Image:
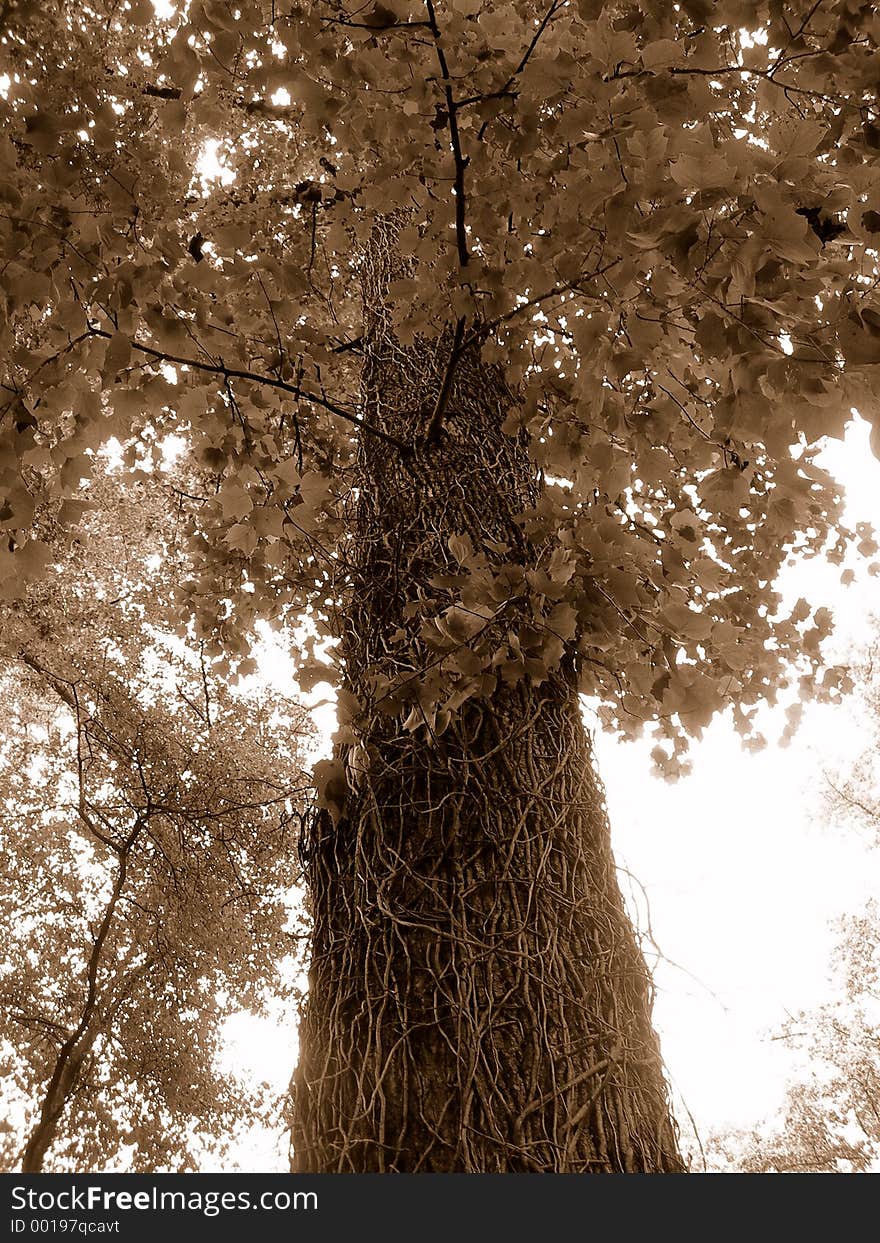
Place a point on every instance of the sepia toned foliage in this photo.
(853, 797)
(830, 1120)
(637, 280)
(148, 854)
(505, 337)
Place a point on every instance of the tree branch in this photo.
(461, 160)
(237, 373)
(485, 327)
(524, 60)
(70, 1056)
(435, 423)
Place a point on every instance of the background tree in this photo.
(830, 1119)
(506, 339)
(829, 1122)
(148, 853)
(853, 797)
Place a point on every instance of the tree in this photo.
(147, 854)
(506, 336)
(829, 1122)
(852, 797)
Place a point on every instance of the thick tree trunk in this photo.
(478, 1001)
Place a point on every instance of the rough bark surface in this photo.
(478, 1001)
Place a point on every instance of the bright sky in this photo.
(742, 870)
(742, 873)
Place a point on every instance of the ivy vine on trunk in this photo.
(477, 1000)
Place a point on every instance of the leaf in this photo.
(34, 558)
(118, 355)
(287, 472)
(331, 787)
(235, 502)
(462, 548)
(348, 706)
(562, 566)
(562, 621)
(242, 537)
(74, 469)
(660, 54)
(683, 620)
(859, 337)
(798, 139)
(311, 673)
(700, 171)
(141, 12)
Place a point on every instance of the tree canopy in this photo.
(147, 859)
(829, 1121)
(660, 220)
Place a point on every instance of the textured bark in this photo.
(478, 1001)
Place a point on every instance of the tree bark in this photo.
(478, 1001)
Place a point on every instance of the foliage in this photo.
(662, 226)
(148, 852)
(854, 796)
(829, 1121)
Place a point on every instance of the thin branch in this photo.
(344, 346)
(461, 160)
(485, 327)
(206, 691)
(524, 60)
(237, 373)
(436, 421)
(73, 1051)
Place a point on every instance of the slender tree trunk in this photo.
(478, 1001)
(55, 1100)
(72, 1055)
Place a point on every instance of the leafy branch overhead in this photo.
(662, 228)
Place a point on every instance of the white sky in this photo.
(741, 871)
(743, 878)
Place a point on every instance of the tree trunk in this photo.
(55, 1101)
(478, 1001)
(73, 1053)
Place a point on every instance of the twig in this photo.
(436, 421)
(461, 160)
(236, 373)
(524, 60)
